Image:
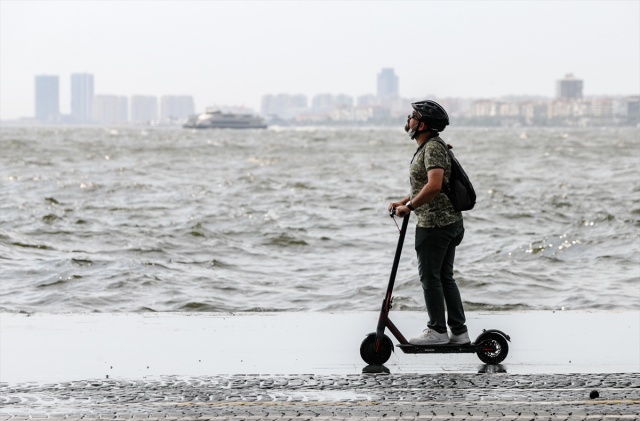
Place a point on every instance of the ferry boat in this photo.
(216, 119)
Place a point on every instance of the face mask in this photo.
(411, 131)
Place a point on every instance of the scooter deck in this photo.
(438, 349)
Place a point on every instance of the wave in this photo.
(295, 220)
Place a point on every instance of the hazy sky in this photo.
(231, 53)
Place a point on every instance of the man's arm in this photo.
(428, 192)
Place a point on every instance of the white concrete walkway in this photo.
(62, 347)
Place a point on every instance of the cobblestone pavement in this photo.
(319, 397)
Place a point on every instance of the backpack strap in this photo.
(445, 184)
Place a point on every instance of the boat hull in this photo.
(220, 120)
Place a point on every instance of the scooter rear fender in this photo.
(485, 333)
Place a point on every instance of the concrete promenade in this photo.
(307, 366)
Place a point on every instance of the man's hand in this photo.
(402, 211)
(395, 205)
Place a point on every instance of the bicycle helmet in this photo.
(432, 114)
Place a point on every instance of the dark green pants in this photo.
(436, 250)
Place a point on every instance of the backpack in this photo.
(459, 189)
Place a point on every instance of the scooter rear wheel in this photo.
(368, 349)
(493, 348)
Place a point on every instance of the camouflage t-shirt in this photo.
(439, 212)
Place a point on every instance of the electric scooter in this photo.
(491, 346)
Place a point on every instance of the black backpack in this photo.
(459, 190)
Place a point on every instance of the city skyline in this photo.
(386, 87)
(569, 107)
(229, 53)
(89, 108)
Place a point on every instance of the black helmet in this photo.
(431, 113)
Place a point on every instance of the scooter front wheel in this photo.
(493, 348)
(368, 349)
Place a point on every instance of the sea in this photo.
(295, 219)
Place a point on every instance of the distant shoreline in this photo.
(335, 125)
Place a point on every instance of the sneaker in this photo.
(461, 339)
(430, 337)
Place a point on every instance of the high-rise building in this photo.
(368, 100)
(569, 88)
(47, 98)
(176, 108)
(284, 106)
(144, 109)
(322, 103)
(343, 100)
(633, 110)
(388, 84)
(82, 97)
(110, 109)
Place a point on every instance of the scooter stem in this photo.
(386, 303)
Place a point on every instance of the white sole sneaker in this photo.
(462, 339)
(430, 337)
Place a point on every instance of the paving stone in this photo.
(357, 397)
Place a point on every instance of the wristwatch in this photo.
(410, 206)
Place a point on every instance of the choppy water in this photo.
(176, 220)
